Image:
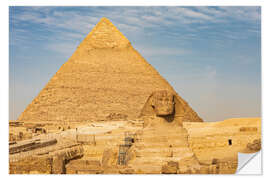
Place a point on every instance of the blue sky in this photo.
(210, 55)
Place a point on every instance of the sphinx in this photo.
(213, 146)
(166, 105)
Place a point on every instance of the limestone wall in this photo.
(31, 165)
(223, 140)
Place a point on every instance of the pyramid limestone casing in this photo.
(104, 75)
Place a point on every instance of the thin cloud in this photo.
(146, 51)
(65, 48)
(204, 45)
(74, 23)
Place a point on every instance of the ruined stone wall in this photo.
(51, 162)
(82, 166)
(223, 140)
(16, 148)
(32, 165)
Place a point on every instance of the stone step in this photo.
(174, 135)
(161, 155)
(163, 151)
(88, 171)
(84, 166)
(147, 169)
(161, 138)
(145, 145)
(148, 159)
(164, 131)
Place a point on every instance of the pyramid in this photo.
(105, 77)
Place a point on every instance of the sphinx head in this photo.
(163, 103)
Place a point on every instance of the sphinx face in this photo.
(163, 103)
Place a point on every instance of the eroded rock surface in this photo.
(108, 111)
(105, 78)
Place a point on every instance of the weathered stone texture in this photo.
(58, 164)
(83, 166)
(30, 145)
(255, 145)
(143, 124)
(222, 141)
(105, 76)
(42, 165)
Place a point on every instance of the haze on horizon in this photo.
(210, 55)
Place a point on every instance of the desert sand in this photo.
(108, 111)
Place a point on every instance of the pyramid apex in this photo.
(104, 76)
(105, 19)
(105, 35)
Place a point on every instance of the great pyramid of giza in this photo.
(104, 78)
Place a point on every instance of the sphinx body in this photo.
(163, 141)
(100, 91)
